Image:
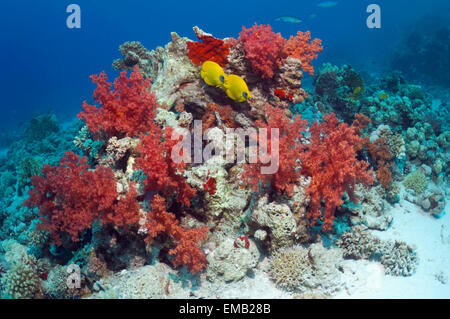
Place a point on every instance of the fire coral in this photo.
(127, 105)
(331, 162)
(209, 49)
(187, 251)
(70, 197)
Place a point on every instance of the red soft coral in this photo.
(301, 48)
(187, 251)
(334, 169)
(290, 143)
(163, 174)
(127, 106)
(262, 49)
(70, 197)
(210, 49)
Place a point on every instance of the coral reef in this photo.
(166, 185)
(398, 258)
(334, 169)
(232, 259)
(314, 269)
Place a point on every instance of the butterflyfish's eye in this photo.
(222, 79)
(245, 95)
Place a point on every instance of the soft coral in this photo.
(262, 48)
(209, 49)
(163, 173)
(70, 197)
(290, 144)
(187, 251)
(331, 162)
(127, 106)
(301, 48)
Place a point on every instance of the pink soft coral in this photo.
(334, 169)
(262, 48)
(301, 48)
(187, 251)
(127, 106)
(70, 197)
(290, 143)
(163, 174)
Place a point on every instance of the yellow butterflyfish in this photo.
(212, 73)
(236, 88)
(383, 96)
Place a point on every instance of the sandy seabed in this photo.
(366, 279)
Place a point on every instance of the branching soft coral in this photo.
(267, 50)
(262, 49)
(290, 143)
(127, 106)
(301, 48)
(334, 169)
(70, 197)
(213, 111)
(209, 49)
(187, 251)
(163, 174)
(379, 153)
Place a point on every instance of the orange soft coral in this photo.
(301, 48)
(290, 143)
(127, 107)
(209, 49)
(163, 174)
(187, 251)
(334, 169)
(380, 154)
(213, 111)
(262, 49)
(70, 197)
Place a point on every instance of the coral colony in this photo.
(205, 160)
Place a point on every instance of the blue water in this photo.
(46, 66)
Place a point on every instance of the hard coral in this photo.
(262, 48)
(332, 164)
(301, 48)
(127, 105)
(187, 252)
(70, 198)
(163, 174)
(209, 49)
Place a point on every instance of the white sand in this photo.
(432, 239)
(366, 279)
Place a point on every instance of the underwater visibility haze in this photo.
(195, 150)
